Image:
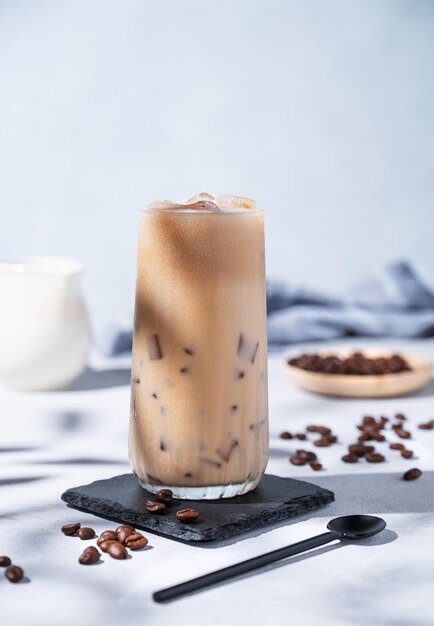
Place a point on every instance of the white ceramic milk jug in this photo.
(44, 328)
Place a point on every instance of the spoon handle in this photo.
(241, 568)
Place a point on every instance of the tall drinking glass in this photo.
(199, 413)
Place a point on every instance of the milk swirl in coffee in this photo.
(199, 421)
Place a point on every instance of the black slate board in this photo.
(122, 500)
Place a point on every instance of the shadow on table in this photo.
(101, 379)
(386, 536)
(7, 482)
(371, 494)
(426, 392)
(82, 461)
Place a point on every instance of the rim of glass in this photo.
(187, 211)
(64, 266)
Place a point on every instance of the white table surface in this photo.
(52, 441)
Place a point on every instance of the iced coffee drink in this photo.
(199, 415)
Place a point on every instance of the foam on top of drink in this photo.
(205, 202)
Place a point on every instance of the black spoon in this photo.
(347, 527)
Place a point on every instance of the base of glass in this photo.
(205, 492)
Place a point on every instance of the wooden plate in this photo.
(378, 386)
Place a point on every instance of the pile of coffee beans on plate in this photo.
(13, 573)
(356, 364)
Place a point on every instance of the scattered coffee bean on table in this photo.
(322, 442)
(5, 561)
(350, 458)
(401, 432)
(400, 416)
(412, 474)
(315, 466)
(313, 429)
(104, 545)
(285, 435)
(297, 460)
(123, 532)
(85, 533)
(306, 455)
(136, 541)
(155, 507)
(89, 556)
(407, 454)
(165, 496)
(14, 573)
(107, 535)
(397, 446)
(300, 436)
(364, 437)
(70, 529)
(375, 457)
(117, 551)
(187, 515)
(125, 527)
(359, 449)
(427, 425)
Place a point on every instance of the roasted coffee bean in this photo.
(322, 442)
(383, 421)
(317, 429)
(412, 474)
(364, 437)
(187, 515)
(85, 533)
(350, 458)
(427, 425)
(123, 532)
(306, 455)
(297, 460)
(300, 436)
(117, 551)
(358, 449)
(165, 496)
(375, 457)
(14, 573)
(104, 545)
(397, 446)
(5, 561)
(368, 419)
(125, 527)
(322, 430)
(400, 416)
(155, 507)
(136, 541)
(107, 535)
(89, 556)
(285, 435)
(402, 434)
(70, 529)
(375, 435)
(407, 454)
(315, 465)
(332, 438)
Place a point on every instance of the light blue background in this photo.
(321, 110)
